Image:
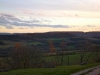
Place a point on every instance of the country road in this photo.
(94, 72)
(90, 71)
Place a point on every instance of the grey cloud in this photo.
(6, 19)
(9, 17)
(26, 11)
(90, 25)
(36, 21)
(21, 28)
(58, 26)
(47, 20)
(53, 26)
(76, 15)
(9, 27)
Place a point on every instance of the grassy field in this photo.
(57, 39)
(60, 70)
(35, 43)
(73, 59)
(11, 44)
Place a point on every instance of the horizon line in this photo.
(45, 32)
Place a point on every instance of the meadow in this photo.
(59, 70)
(74, 59)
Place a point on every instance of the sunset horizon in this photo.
(46, 16)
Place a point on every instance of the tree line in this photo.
(28, 57)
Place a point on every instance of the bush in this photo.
(2, 43)
(24, 57)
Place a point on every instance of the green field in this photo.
(35, 43)
(60, 70)
(57, 39)
(64, 69)
(11, 43)
(74, 59)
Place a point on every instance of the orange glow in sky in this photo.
(24, 16)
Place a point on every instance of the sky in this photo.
(32, 16)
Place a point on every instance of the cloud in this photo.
(46, 20)
(21, 28)
(6, 19)
(90, 25)
(9, 27)
(41, 15)
(76, 15)
(9, 20)
(70, 14)
(54, 26)
(26, 11)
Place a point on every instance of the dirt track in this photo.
(95, 71)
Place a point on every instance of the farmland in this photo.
(48, 50)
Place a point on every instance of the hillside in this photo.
(24, 36)
(41, 40)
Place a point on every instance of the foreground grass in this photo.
(61, 70)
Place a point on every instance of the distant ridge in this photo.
(56, 34)
(32, 36)
(6, 34)
(50, 35)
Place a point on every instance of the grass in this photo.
(35, 43)
(73, 59)
(57, 39)
(11, 44)
(60, 70)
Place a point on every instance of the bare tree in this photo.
(96, 53)
(85, 48)
(64, 48)
(20, 57)
(35, 58)
(24, 57)
(60, 55)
